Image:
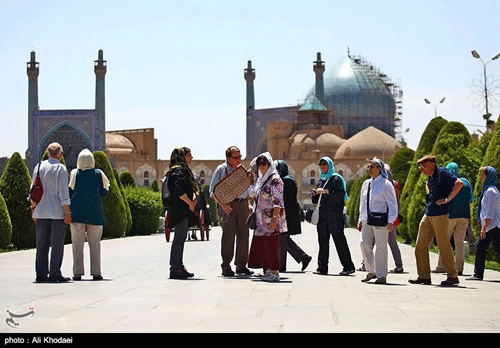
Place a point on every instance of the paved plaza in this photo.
(138, 297)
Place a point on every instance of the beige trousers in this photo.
(92, 233)
(456, 228)
(431, 226)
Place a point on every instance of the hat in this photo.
(428, 158)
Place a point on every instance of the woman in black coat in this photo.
(293, 221)
(333, 193)
(184, 192)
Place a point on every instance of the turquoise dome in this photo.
(358, 97)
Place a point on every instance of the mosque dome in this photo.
(118, 144)
(329, 139)
(358, 96)
(370, 142)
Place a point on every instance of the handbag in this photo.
(252, 221)
(36, 191)
(375, 219)
(315, 213)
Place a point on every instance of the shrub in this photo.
(400, 164)
(15, 184)
(5, 225)
(114, 203)
(451, 145)
(129, 214)
(146, 208)
(353, 201)
(127, 179)
(491, 158)
(425, 146)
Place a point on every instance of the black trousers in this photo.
(288, 245)
(334, 228)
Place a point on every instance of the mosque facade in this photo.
(352, 113)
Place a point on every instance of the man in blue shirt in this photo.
(442, 187)
(458, 219)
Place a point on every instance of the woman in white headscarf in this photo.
(87, 188)
(271, 221)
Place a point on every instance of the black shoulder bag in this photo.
(375, 219)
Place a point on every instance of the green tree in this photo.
(15, 185)
(352, 204)
(491, 158)
(127, 179)
(400, 164)
(425, 146)
(452, 145)
(114, 204)
(5, 225)
(122, 191)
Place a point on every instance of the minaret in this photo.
(250, 77)
(319, 69)
(33, 70)
(100, 73)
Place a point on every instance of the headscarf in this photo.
(490, 181)
(282, 167)
(380, 165)
(331, 172)
(453, 169)
(86, 161)
(270, 171)
(178, 160)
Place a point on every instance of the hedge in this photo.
(146, 208)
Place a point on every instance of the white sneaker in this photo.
(270, 277)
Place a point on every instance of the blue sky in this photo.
(177, 66)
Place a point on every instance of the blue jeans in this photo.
(177, 249)
(50, 233)
(492, 236)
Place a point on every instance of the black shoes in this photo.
(305, 262)
(180, 273)
(244, 271)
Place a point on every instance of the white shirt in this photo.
(382, 196)
(490, 208)
(54, 177)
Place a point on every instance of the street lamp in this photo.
(477, 56)
(435, 107)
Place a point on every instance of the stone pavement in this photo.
(138, 297)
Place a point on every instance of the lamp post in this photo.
(435, 107)
(487, 115)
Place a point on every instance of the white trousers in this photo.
(92, 233)
(375, 263)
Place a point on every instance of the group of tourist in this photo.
(274, 195)
(78, 204)
(272, 199)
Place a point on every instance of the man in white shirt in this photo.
(51, 215)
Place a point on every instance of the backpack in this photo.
(166, 197)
